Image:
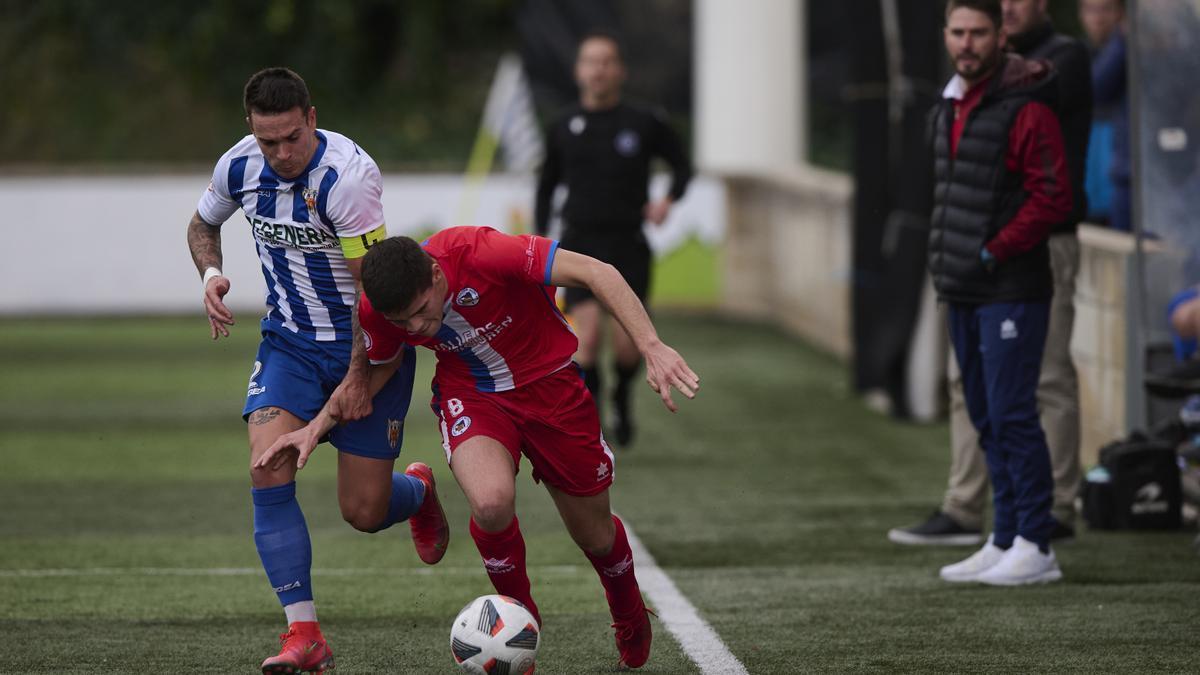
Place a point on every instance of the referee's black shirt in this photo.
(603, 157)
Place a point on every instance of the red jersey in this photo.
(500, 325)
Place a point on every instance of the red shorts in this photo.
(553, 421)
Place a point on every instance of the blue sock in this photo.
(408, 493)
(281, 536)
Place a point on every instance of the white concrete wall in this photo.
(787, 256)
(749, 84)
(117, 244)
(1106, 344)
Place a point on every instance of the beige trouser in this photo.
(1058, 401)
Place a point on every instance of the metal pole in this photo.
(1142, 328)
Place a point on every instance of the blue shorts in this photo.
(298, 375)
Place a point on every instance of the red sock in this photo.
(616, 573)
(309, 628)
(504, 558)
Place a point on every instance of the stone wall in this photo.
(1111, 345)
(787, 253)
(787, 260)
(1098, 344)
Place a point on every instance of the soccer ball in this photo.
(495, 635)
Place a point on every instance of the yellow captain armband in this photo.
(356, 247)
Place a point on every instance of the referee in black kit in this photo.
(601, 149)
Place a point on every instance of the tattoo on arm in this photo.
(204, 241)
(263, 416)
(358, 351)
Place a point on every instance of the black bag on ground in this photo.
(1135, 486)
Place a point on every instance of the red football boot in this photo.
(430, 531)
(633, 640)
(304, 650)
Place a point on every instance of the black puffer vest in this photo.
(975, 194)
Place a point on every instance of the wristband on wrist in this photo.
(209, 274)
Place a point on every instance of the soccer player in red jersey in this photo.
(505, 385)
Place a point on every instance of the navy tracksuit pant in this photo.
(999, 351)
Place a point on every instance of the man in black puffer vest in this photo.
(959, 520)
(1001, 183)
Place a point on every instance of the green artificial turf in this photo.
(688, 276)
(125, 527)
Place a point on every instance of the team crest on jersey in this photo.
(628, 143)
(467, 297)
(310, 200)
(460, 426)
(393, 431)
(577, 124)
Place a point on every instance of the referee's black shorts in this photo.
(624, 248)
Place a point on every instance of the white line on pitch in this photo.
(699, 641)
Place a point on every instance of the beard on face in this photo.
(978, 65)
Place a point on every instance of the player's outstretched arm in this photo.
(204, 241)
(352, 398)
(305, 439)
(668, 146)
(665, 368)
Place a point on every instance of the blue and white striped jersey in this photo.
(305, 228)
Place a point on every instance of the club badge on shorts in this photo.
(460, 426)
(393, 432)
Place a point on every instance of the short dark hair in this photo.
(990, 7)
(394, 271)
(601, 34)
(276, 90)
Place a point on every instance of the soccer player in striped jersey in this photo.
(312, 200)
(505, 385)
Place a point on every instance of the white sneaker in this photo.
(970, 569)
(1022, 564)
